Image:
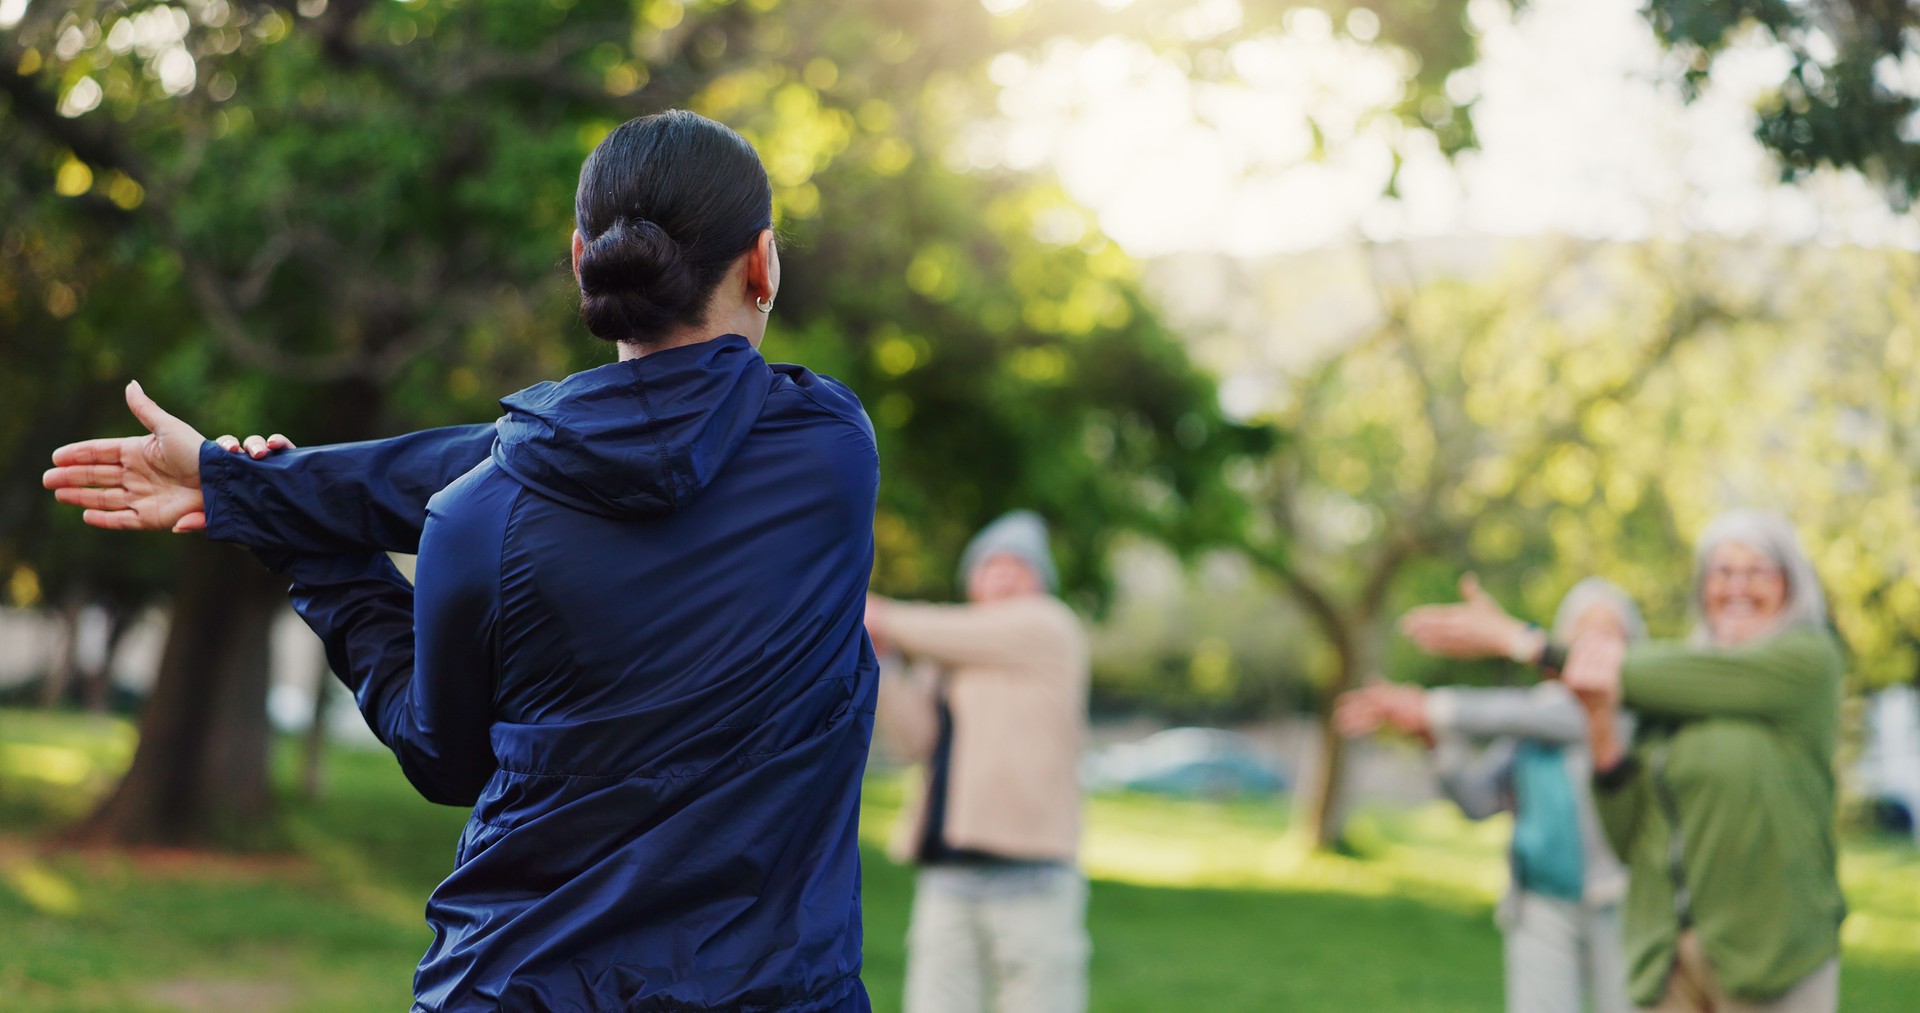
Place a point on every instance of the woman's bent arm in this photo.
(1786, 675)
(420, 659)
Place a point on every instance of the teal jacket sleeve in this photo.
(348, 498)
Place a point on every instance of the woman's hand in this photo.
(1357, 713)
(1593, 669)
(135, 483)
(1363, 711)
(1477, 627)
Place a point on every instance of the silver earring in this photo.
(763, 304)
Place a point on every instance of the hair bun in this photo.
(634, 279)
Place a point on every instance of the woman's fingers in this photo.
(77, 476)
(112, 498)
(147, 410)
(255, 446)
(101, 451)
(195, 521)
(115, 520)
(1355, 717)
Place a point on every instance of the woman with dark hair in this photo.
(1723, 805)
(634, 643)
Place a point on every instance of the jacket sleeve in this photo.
(1787, 674)
(420, 658)
(347, 498)
(906, 709)
(1548, 712)
(1000, 635)
(1477, 780)
(1622, 806)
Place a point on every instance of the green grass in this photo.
(1194, 906)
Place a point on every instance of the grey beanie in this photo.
(1021, 532)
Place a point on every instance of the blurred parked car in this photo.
(1188, 762)
(1889, 769)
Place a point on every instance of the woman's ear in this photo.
(579, 247)
(763, 268)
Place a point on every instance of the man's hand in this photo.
(135, 483)
(1477, 627)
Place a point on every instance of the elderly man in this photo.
(994, 709)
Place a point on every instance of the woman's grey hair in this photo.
(1772, 536)
(1598, 591)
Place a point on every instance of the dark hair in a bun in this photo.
(666, 203)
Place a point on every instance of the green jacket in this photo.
(1740, 744)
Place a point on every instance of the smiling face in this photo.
(1743, 593)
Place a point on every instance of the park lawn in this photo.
(1194, 905)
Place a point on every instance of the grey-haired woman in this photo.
(1723, 805)
(1524, 750)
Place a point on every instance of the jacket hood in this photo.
(639, 438)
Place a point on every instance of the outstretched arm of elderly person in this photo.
(908, 717)
(1474, 778)
(1003, 634)
(1782, 676)
(1475, 627)
(347, 498)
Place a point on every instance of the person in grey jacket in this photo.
(1524, 750)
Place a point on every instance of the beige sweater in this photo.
(1016, 677)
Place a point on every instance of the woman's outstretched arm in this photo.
(348, 498)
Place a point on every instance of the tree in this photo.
(1450, 423)
(346, 219)
(1850, 97)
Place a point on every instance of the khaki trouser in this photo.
(1691, 987)
(989, 939)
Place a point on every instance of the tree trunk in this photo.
(96, 687)
(313, 751)
(66, 657)
(1320, 810)
(199, 775)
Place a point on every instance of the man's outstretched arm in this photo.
(347, 498)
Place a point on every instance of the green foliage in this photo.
(351, 219)
(1575, 410)
(1850, 97)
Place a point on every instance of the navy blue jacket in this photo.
(634, 645)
